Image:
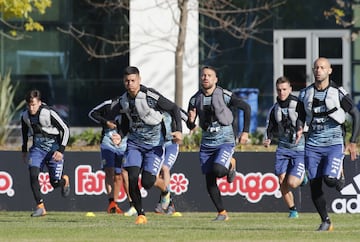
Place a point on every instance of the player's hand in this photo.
(298, 135)
(111, 124)
(192, 115)
(177, 137)
(351, 147)
(244, 138)
(267, 143)
(58, 156)
(116, 138)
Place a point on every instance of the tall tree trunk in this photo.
(180, 51)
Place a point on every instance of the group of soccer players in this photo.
(142, 131)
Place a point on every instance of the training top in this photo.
(325, 128)
(283, 122)
(49, 131)
(105, 111)
(142, 116)
(215, 114)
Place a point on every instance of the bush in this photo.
(87, 138)
(191, 142)
(7, 107)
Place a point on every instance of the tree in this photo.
(237, 18)
(16, 16)
(341, 12)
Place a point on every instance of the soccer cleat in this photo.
(114, 208)
(65, 190)
(293, 214)
(141, 219)
(232, 172)
(304, 181)
(165, 201)
(325, 226)
(159, 209)
(131, 212)
(340, 182)
(222, 216)
(40, 211)
(171, 209)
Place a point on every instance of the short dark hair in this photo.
(131, 70)
(282, 79)
(32, 94)
(209, 67)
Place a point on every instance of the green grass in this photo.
(75, 226)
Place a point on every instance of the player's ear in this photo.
(330, 71)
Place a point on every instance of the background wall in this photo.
(153, 38)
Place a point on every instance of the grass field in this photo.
(76, 226)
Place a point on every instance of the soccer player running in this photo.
(283, 123)
(213, 105)
(141, 121)
(50, 136)
(166, 204)
(112, 153)
(326, 105)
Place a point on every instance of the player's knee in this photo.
(330, 181)
(293, 182)
(219, 170)
(165, 169)
(118, 178)
(147, 180)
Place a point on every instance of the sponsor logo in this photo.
(44, 182)
(252, 185)
(88, 182)
(178, 183)
(352, 205)
(6, 184)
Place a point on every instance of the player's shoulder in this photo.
(341, 89)
(151, 92)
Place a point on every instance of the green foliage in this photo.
(88, 137)
(191, 142)
(256, 138)
(7, 107)
(22, 10)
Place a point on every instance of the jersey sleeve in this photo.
(238, 103)
(57, 122)
(24, 133)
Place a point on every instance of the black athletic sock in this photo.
(214, 191)
(134, 190)
(34, 183)
(317, 196)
